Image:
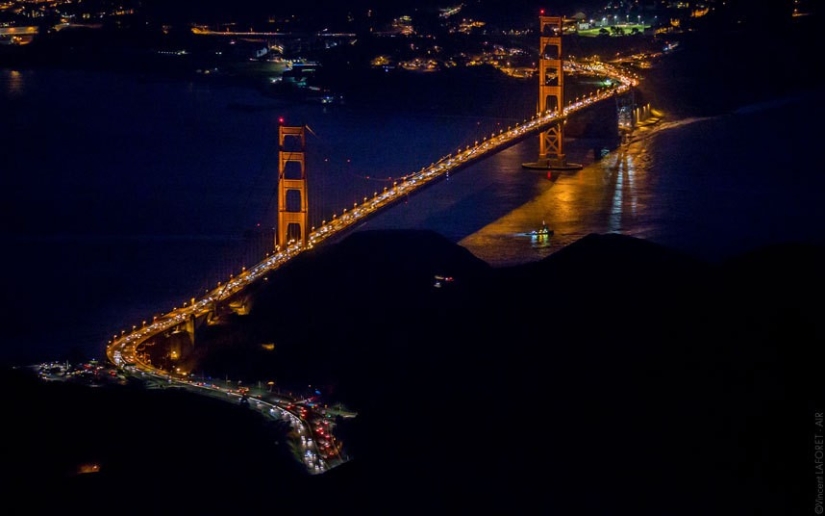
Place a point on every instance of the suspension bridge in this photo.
(294, 234)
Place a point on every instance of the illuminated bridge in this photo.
(293, 235)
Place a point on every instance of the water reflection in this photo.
(11, 83)
(603, 197)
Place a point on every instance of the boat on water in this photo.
(543, 232)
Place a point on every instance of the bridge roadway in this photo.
(19, 31)
(122, 350)
(204, 31)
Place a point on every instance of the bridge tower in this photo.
(551, 96)
(292, 186)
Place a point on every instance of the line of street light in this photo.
(122, 350)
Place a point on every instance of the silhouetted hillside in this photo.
(615, 376)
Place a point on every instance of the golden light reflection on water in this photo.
(14, 83)
(604, 197)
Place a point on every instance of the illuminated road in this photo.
(204, 31)
(19, 31)
(122, 350)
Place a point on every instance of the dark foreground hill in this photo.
(614, 377)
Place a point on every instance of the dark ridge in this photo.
(384, 262)
(408, 250)
(378, 300)
(612, 264)
(621, 251)
(788, 260)
(613, 340)
(514, 390)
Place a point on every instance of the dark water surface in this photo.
(122, 198)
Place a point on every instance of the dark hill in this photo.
(613, 377)
(340, 315)
(615, 366)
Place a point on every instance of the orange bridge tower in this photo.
(551, 96)
(292, 187)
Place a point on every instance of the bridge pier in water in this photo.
(551, 96)
(293, 211)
